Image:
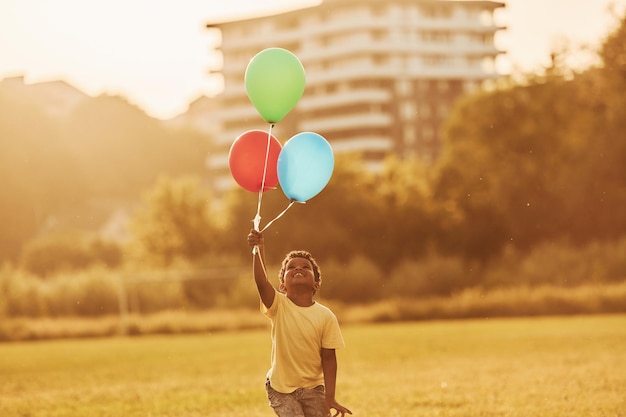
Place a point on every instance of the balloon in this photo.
(305, 165)
(274, 82)
(246, 160)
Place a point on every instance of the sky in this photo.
(157, 53)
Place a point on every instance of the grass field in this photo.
(545, 367)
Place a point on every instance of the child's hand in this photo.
(340, 410)
(255, 238)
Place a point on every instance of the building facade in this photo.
(381, 77)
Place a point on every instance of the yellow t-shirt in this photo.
(298, 335)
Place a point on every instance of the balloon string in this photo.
(257, 217)
(255, 249)
(279, 216)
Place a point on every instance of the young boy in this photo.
(302, 377)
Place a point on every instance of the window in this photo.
(286, 24)
(408, 110)
(380, 60)
(474, 61)
(378, 35)
(481, 38)
(379, 9)
(436, 36)
(436, 12)
(471, 85)
(403, 87)
(488, 65)
(409, 135)
(486, 18)
(432, 60)
(428, 133)
(442, 110)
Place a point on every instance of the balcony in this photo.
(342, 98)
(362, 121)
(362, 144)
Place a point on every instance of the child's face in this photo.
(299, 271)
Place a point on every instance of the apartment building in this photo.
(381, 76)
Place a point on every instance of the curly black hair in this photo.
(300, 254)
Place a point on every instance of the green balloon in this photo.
(274, 82)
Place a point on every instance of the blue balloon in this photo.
(305, 165)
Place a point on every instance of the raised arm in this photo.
(263, 285)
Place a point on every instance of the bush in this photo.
(88, 293)
(561, 264)
(203, 289)
(20, 294)
(516, 301)
(152, 291)
(434, 275)
(67, 252)
(91, 293)
(242, 293)
(100, 291)
(358, 280)
(94, 292)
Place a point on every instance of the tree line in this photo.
(530, 162)
(66, 172)
(525, 164)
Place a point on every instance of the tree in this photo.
(64, 252)
(106, 150)
(607, 87)
(36, 175)
(384, 217)
(332, 225)
(407, 221)
(174, 223)
(538, 161)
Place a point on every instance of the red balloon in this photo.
(246, 160)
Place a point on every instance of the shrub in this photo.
(242, 293)
(358, 280)
(203, 289)
(101, 291)
(95, 292)
(434, 275)
(561, 264)
(88, 293)
(67, 252)
(21, 294)
(152, 291)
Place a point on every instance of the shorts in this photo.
(303, 402)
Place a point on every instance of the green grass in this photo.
(557, 366)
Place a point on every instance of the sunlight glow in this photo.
(157, 53)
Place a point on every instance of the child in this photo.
(305, 334)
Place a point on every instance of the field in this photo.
(554, 366)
